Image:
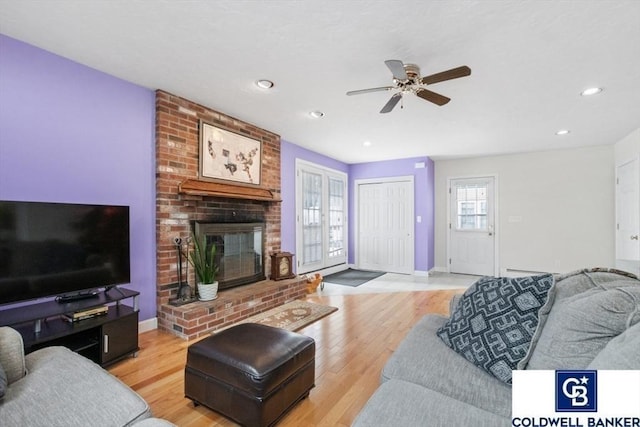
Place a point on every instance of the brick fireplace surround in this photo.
(177, 140)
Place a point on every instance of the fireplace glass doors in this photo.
(239, 251)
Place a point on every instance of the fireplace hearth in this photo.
(239, 251)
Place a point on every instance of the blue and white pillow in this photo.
(494, 321)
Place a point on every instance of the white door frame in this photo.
(630, 264)
(300, 164)
(356, 210)
(496, 227)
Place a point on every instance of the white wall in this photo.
(565, 199)
(625, 150)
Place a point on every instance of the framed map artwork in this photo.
(229, 156)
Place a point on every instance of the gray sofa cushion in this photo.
(400, 403)
(422, 358)
(12, 354)
(590, 309)
(579, 281)
(622, 352)
(492, 326)
(3, 382)
(65, 389)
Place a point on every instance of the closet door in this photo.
(385, 225)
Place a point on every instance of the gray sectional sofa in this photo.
(588, 319)
(57, 387)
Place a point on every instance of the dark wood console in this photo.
(103, 339)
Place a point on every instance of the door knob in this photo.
(634, 237)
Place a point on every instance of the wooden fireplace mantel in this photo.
(196, 187)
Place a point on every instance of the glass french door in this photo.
(321, 212)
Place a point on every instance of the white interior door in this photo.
(385, 226)
(628, 211)
(472, 226)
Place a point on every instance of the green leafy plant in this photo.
(203, 260)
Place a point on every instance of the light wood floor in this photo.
(352, 346)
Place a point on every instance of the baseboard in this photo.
(148, 325)
(421, 273)
(440, 270)
(516, 272)
(329, 270)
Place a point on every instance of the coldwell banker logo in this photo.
(576, 398)
(576, 391)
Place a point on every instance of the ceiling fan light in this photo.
(563, 132)
(591, 91)
(316, 114)
(264, 84)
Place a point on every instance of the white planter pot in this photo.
(207, 291)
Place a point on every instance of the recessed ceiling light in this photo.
(316, 114)
(563, 132)
(367, 143)
(591, 91)
(264, 84)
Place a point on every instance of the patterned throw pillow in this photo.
(494, 321)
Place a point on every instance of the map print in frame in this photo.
(229, 156)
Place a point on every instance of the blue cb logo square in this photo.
(576, 391)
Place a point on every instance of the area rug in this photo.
(352, 277)
(291, 316)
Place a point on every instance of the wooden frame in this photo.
(225, 155)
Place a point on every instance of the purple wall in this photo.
(69, 133)
(429, 217)
(424, 196)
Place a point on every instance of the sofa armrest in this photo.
(12, 354)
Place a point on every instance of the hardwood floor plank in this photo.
(352, 346)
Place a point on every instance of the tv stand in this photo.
(76, 296)
(103, 339)
(108, 288)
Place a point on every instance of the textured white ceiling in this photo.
(530, 60)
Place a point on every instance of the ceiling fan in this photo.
(406, 78)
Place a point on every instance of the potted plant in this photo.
(203, 260)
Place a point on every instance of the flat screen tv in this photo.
(52, 249)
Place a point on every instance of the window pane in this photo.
(471, 202)
(336, 217)
(311, 217)
(322, 210)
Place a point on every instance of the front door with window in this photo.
(471, 226)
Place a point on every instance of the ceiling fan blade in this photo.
(373, 89)
(397, 69)
(453, 73)
(436, 98)
(391, 103)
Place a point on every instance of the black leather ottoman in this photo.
(251, 373)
